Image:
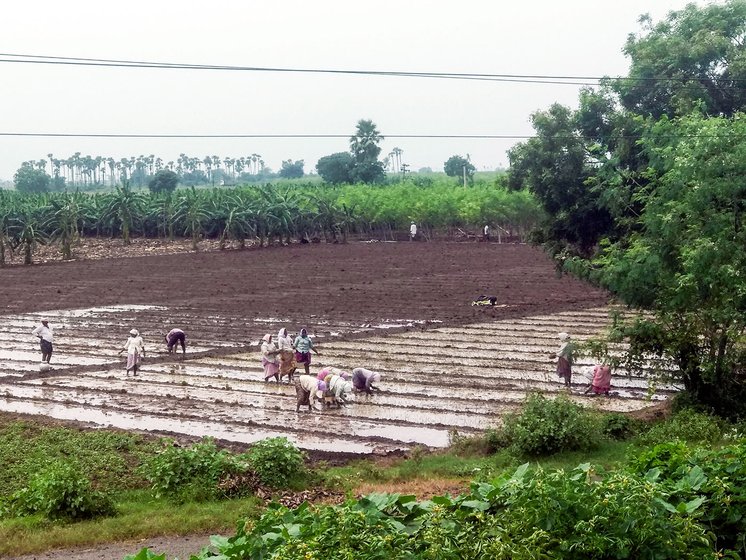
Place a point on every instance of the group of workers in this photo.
(281, 360)
(331, 385)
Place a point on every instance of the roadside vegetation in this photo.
(598, 485)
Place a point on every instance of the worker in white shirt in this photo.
(412, 231)
(486, 232)
(44, 332)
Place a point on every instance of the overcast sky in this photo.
(546, 37)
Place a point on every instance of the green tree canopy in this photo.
(336, 168)
(29, 179)
(556, 166)
(164, 181)
(694, 59)
(456, 165)
(687, 261)
(292, 169)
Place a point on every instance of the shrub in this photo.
(617, 426)
(547, 426)
(191, 473)
(487, 443)
(276, 461)
(686, 425)
(60, 491)
(557, 515)
(667, 457)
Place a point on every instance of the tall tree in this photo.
(687, 261)
(556, 166)
(336, 168)
(365, 151)
(28, 179)
(694, 59)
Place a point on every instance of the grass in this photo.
(139, 517)
(110, 459)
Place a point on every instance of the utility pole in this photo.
(464, 169)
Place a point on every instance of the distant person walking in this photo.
(564, 359)
(287, 355)
(412, 231)
(174, 337)
(135, 347)
(303, 346)
(486, 232)
(46, 337)
(269, 359)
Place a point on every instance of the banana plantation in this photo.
(260, 216)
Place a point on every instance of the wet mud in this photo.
(400, 309)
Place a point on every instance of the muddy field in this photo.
(400, 308)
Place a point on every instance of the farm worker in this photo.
(287, 356)
(363, 379)
(307, 389)
(323, 374)
(601, 382)
(303, 346)
(269, 359)
(486, 232)
(135, 351)
(564, 359)
(339, 388)
(174, 337)
(44, 333)
(412, 231)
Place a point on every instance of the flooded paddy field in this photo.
(400, 309)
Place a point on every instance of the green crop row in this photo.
(259, 215)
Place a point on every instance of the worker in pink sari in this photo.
(601, 382)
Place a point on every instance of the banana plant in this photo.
(65, 221)
(192, 213)
(27, 231)
(123, 208)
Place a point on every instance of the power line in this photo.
(516, 78)
(336, 136)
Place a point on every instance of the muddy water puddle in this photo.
(315, 440)
(189, 405)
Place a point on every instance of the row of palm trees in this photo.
(84, 171)
(256, 215)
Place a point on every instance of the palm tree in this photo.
(364, 145)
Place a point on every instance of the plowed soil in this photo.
(401, 308)
(356, 282)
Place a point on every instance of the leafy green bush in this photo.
(686, 425)
(667, 457)
(191, 473)
(618, 426)
(60, 491)
(547, 426)
(558, 514)
(276, 461)
(712, 478)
